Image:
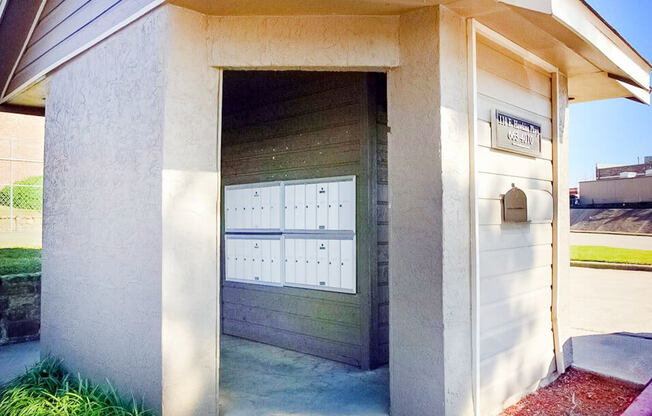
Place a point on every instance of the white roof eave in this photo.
(614, 55)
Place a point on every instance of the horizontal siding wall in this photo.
(516, 346)
(293, 125)
(66, 26)
(382, 218)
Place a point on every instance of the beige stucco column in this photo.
(102, 252)
(130, 257)
(430, 316)
(190, 188)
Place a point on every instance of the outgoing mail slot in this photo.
(527, 205)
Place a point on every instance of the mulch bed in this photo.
(576, 393)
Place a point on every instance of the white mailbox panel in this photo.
(320, 206)
(255, 259)
(295, 233)
(252, 207)
(320, 262)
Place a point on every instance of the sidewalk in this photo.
(15, 358)
(623, 356)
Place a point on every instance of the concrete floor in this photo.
(622, 356)
(15, 358)
(258, 379)
(261, 380)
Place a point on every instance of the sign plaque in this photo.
(515, 134)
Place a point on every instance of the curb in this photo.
(635, 234)
(642, 405)
(613, 266)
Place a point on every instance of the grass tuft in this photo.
(611, 254)
(19, 260)
(47, 390)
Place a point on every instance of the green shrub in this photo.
(47, 390)
(19, 260)
(25, 197)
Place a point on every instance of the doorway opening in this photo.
(304, 261)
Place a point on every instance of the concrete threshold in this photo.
(613, 266)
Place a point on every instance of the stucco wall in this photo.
(190, 186)
(101, 285)
(430, 344)
(319, 42)
(130, 276)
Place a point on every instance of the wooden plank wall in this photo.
(68, 25)
(382, 305)
(300, 125)
(516, 344)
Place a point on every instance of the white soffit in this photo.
(3, 5)
(619, 71)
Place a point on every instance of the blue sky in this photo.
(614, 131)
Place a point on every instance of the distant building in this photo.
(619, 185)
(574, 196)
(614, 171)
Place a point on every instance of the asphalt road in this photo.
(606, 301)
(611, 240)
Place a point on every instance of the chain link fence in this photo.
(21, 191)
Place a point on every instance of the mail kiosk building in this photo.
(367, 181)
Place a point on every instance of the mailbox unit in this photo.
(255, 207)
(296, 233)
(322, 262)
(304, 168)
(320, 205)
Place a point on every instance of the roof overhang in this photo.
(567, 34)
(619, 71)
(17, 21)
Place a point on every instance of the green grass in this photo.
(47, 390)
(25, 197)
(19, 260)
(611, 254)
